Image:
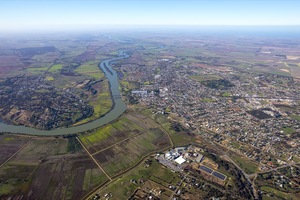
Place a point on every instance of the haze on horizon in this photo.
(17, 15)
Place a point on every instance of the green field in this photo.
(69, 175)
(288, 130)
(37, 70)
(235, 144)
(127, 86)
(50, 78)
(91, 69)
(226, 94)
(296, 117)
(123, 143)
(208, 100)
(247, 165)
(278, 193)
(205, 77)
(101, 102)
(98, 136)
(92, 178)
(110, 134)
(122, 188)
(56, 68)
(178, 138)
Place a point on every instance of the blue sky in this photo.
(34, 14)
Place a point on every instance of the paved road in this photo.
(255, 192)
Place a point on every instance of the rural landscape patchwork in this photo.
(149, 100)
(210, 116)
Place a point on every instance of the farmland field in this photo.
(9, 145)
(110, 134)
(120, 157)
(91, 69)
(69, 174)
(120, 145)
(205, 77)
(122, 188)
(56, 68)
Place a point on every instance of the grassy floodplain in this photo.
(91, 69)
(123, 187)
(101, 102)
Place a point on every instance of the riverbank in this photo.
(118, 108)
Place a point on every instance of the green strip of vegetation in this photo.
(296, 117)
(91, 69)
(247, 165)
(288, 130)
(56, 68)
(276, 192)
(205, 77)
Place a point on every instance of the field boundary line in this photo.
(130, 137)
(115, 177)
(94, 159)
(15, 153)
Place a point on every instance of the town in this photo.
(229, 105)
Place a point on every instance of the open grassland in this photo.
(52, 168)
(122, 187)
(279, 194)
(63, 81)
(296, 117)
(288, 130)
(49, 78)
(245, 163)
(128, 86)
(205, 77)
(56, 68)
(101, 101)
(36, 70)
(91, 69)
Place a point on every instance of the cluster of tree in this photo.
(217, 84)
(176, 126)
(73, 145)
(241, 187)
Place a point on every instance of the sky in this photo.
(39, 14)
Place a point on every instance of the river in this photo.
(118, 108)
